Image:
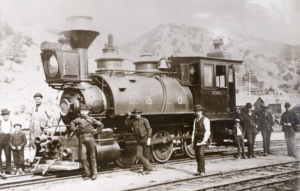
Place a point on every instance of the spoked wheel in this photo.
(187, 147)
(163, 151)
(127, 158)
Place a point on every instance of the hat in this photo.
(4, 111)
(198, 107)
(84, 107)
(264, 105)
(249, 105)
(287, 104)
(237, 120)
(17, 124)
(137, 110)
(38, 95)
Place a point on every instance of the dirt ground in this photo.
(164, 172)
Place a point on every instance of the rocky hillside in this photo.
(274, 64)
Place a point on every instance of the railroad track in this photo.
(257, 178)
(29, 179)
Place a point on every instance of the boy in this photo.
(238, 133)
(17, 143)
(5, 133)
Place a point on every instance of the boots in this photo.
(21, 171)
(2, 175)
(239, 154)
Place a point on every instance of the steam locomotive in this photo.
(165, 89)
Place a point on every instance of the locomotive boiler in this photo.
(165, 89)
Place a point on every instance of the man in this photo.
(201, 133)
(40, 117)
(84, 126)
(142, 133)
(249, 124)
(5, 134)
(289, 121)
(265, 125)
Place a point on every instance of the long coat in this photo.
(265, 124)
(249, 122)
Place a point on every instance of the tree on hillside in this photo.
(14, 50)
(28, 41)
(8, 29)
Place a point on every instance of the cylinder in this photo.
(107, 152)
(67, 152)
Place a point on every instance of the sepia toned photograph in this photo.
(151, 95)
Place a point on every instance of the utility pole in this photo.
(249, 78)
(241, 83)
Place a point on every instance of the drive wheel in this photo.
(187, 147)
(162, 152)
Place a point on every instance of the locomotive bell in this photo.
(163, 64)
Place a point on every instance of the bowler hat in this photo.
(137, 110)
(249, 105)
(198, 107)
(287, 104)
(237, 120)
(84, 107)
(38, 95)
(17, 124)
(4, 111)
(264, 105)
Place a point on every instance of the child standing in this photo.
(238, 133)
(17, 143)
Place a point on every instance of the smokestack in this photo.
(81, 33)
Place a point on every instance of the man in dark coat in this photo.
(265, 125)
(84, 126)
(289, 121)
(249, 124)
(142, 133)
(201, 133)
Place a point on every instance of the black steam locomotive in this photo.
(165, 89)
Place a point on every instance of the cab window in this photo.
(208, 75)
(220, 76)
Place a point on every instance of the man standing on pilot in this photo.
(84, 126)
(201, 133)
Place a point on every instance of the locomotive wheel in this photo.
(126, 159)
(163, 151)
(187, 147)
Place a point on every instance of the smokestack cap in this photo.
(82, 23)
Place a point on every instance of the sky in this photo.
(276, 20)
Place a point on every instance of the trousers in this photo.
(199, 153)
(266, 135)
(289, 135)
(4, 145)
(143, 152)
(18, 158)
(250, 140)
(240, 144)
(88, 148)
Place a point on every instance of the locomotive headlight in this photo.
(52, 66)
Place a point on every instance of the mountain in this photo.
(275, 65)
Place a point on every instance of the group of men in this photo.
(253, 122)
(86, 127)
(12, 139)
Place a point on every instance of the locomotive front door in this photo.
(214, 88)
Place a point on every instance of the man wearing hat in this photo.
(40, 116)
(265, 125)
(238, 133)
(6, 130)
(84, 126)
(249, 123)
(201, 133)
(289, 121)
(142, 133)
